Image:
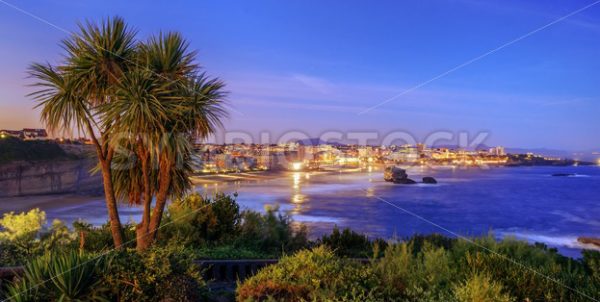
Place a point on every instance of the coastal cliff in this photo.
(22, 178)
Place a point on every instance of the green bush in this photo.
(195, 220)
(26, 235)
(348, 243)
(310, 275)
(271, 232)
(125, 275)
(206, 224)
(158, 274)
(67, 276)
(431, 268)
(98, 239)
(424, 276)
(418, 241)
(480, 288)
(591, 262)
(528, 272)
(230, 251)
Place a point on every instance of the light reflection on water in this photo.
(520, 202)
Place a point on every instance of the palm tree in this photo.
(161, 108)
(142, 104)
(97, 58)
(203, 100)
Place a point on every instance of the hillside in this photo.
(13, 149)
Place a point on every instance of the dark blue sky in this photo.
(314, 65)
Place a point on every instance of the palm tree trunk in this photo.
(143, 237)
(162, 195)
(111, 204)
(105, 159)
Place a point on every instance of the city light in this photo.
(2, 135)
(296, 166)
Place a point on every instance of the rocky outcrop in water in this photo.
(429, 180)
(48, 177)
(399, 176)
(394, 174)
(405, 181)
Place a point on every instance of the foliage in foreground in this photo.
(482, 270)
(311, 275)
(212, 228)
(126, 275)
(216, 228)
(27, 235)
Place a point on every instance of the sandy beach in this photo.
(45, 202)
(58, 201)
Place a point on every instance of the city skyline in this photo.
(321, 70)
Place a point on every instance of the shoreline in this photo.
(58, 200)
(45, 202)
(89, 206)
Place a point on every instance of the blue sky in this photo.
(315, 65)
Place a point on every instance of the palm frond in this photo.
(99, 55)
(62, 108)
(168, 56)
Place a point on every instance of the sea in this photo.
(526, 203)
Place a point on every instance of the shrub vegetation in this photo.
(426, 268)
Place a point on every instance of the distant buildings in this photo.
(213, 158)
(29, 134)
(14, 133)
(26, 134)
(498, 151)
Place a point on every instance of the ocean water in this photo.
(523, 202)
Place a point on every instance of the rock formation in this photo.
(48, 177)
(589, 240)
(399, 176)
(429, 180)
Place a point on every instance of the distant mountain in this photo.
(587, 155)
(541, 151)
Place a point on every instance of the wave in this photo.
(310, 218)
(556, 241)
(569, 175)
(577, 219)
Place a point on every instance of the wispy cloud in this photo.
(313, 93)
